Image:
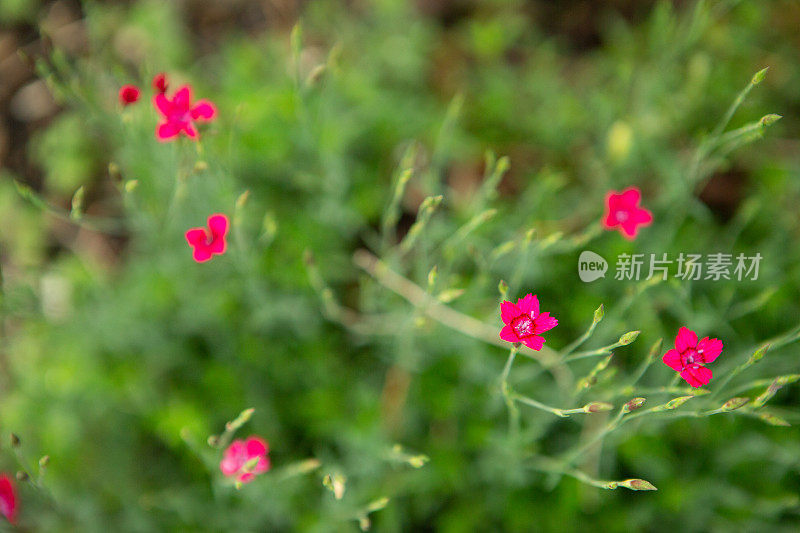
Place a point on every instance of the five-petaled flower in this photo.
(8, 499)
(245, 458)
(623, 211)
(179, 114)
(210, 241)
(524, 323)
(128, 94)
(690, 355)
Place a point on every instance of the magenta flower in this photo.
(179, 114)
(245, 459)
(160, 83)
(210, 241)
(524, 323)
(689, 357)
(623, 211)
(8, 499)
(128, 94)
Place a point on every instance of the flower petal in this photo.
(163, 104)
(629, 228)
(196, 236)
(696, 375)
(508, 334)
(190, 131)
(630, 197)
(709, 349)
(167, 131)
(218, 224)
(534, 342)
(544, 322)
(686, 339)
(183, 99)
(8, 499)
(256, 446)
(201, 253)
(610, 221)
(641, 216)
(204, 110)
(508, 312)
(673, 360)
(529, 305)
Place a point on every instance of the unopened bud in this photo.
(22, 476)
(242, 199)
(213, 441)
(599, 313)
(336, 484)
(638, 484)
(758, 77)
(734, 404)
(131, 185)
(758, 354)
(773, 420)
(433, 275)
(15, 442)
(770, 119)
(597, 407)
(677, 402)
(503, 288)
(633, 405)
(44, 461)
(628, 338)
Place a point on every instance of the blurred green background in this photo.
(120, 356)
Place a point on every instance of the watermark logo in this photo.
(591, 266)
(634, 267)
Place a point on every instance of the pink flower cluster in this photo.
(179, 115)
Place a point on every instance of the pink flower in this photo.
(624, 212)
(179, 114)
(129, 94)
(8, 499)
(689, 357)
(524, 323)
(160, 83)
(240, 459)
(210, 241)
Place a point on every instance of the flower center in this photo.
(621, 216)
(693, 356)
(523, 326)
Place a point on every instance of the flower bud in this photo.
(599, 313)
(44, 461)
(15, 442)
(22, 476)
(734, 404)
(758, 354)
(633, 405)
(503, 288)
(677, 402)
(628, 338)
(758, 77)
(773, 420)
(638, 484)
(768, 120)
(597, 407)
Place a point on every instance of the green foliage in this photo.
(381, 376)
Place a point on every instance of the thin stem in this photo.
(451, 318)
(508, 396)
